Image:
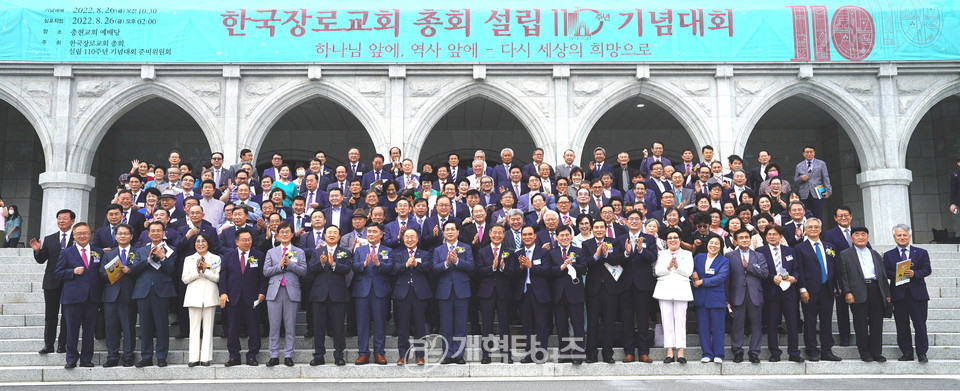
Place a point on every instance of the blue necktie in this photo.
(123, 257)
(823, 263)
(903, 254)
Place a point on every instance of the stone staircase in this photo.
(21, 333)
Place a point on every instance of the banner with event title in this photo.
(420, 31)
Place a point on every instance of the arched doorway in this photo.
(21, 164)
(931, 157)
(631, 126)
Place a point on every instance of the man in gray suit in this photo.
(563, 169)
(748, 270)
(811, 174)
(864, 285)
(284, 266)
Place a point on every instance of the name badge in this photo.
(253, 265)
(789, 257)
(536, 262)
(711, 271)
(417, 259)
(96, 260)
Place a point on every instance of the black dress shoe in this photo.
(880, 359)
(774, 358)
(485, 360)
(528, 359)
(86, 364)
(232, 362)
(830, 357)
(609, 360)
(111, 363)
(70, 365)
(309, 334)
(922, 358)
(316, 361)
(61, 349)
(46, 350)
(668, 360)
(288, 362)
(866, 359)
(252, 362)
(127, 363)
(460, 360)
(447, 360)
(340, 362)
(193, 364)
(591, 359)
(738, 358)
(905, 357)
(814, 358)
(754, 359)
(144, 363)
(682, 360)
(273, 362)
(577, 361)
(161, 363)
(204, 363)
(796, 358)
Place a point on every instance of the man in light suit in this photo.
(811, 173)
(864, 285)
(119, 309)
(77, 267)
(242, 288)
(453, 265)
(284, 266)
(564, 169)
(371, 293)
(748, 270)
(781, 303)
(153, 292)
(818, 282)
(911, 298)
(656, 148)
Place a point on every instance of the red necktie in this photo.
(83, 255)
(243, 261)
(479, 232)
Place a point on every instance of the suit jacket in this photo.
(83, 287)
(103, 237)
(270, 172)
(523, 203)
(638, 266)
(368, 178)
(810, 268)
(304, 222)
(788, 261)
(182, 196)
(171, 236)
(564, 286)
(563, 171)
(921, 269)
(647, 161)
(453, 281)
(817, 175)
(468, 233)
(345, 216)
(597, 171)
(497, 283)
(501, 176)
(651, 184)
(755, 177)
(242, 286)
(649, 200)
(122, 290)
(358, 174)
(292, 272)
(618, 176)
(334, 184)
(149, 278)
(402, 181)
(372, 280)
(598, 275)
(592, 210)
(713, 292)
(136, 219)
(328, 281)
(494, 199)
(226, 174)
(428, 240)
(852, 279)
(206, 229)
(686, 195)
(228, 237)
(539, 275)
(746, 281)
(321, 197)
(835, 237)
(510, 241)
(350, 240)
(414, 279)
(532, 169)
(391, 232)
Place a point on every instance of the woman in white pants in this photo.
(674, 267)
(201, 272)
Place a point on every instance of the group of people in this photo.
(564, 250)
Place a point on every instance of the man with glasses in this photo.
(818, 283)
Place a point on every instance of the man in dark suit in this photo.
(337, 214)
(496, 268)
(376, 174)
(748, 270)
(221, 174)
(501, 172)
(340, 181)
(411, 292)
(839, 238)
(104, 236)
(598, 165)
(242, 289)
(584, 206)
(533, 168)
(453, 265)
(656, 148)
(818, 282)
(533, 295)
(153, 292)
(239, 218)
(276, 162)
(433, 226)
(77, 267)
(314, 197)
(783, 266)
(758, 174)
(129, 215)
(300, 219)
(453, 167)
(329, 295)
(371, 292)
(864, 285)
(639, 256)
(793, 228)
(623, 173)
(910, 299)
(655, 181)
(49, 252)
(604, 291)
(567, 269)
(393, 231)
(355, 168)
(119, 309)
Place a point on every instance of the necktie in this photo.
(565, 219)
(403, 226)
(113, 233)
(823, 263)
(479, 232)
(516, 237)
(799, 230)
(373, 249)
(124, 219)
(598, 168)
(343, 189)
(283, 279)
(529, 256)
(216, 176)
(83, 255)
(553, 238)
(376, 176)
(686, 167)
(656, 159)
(516, 189)
(583, 211)
(678, 194)
(903, 254)
(298, 223)
(319, 239)
(610, 231)
(354, 165)
(243, 261)
(563, 253)
(599, 203)
(846, 235)
(776, 257)
(309, 199)
(704, 188)
(411, 253)
(123, 257)
(809, 167)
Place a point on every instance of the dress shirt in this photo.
(866, 263)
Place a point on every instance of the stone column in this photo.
(231, 116)
(886, 201)
(553, 150)
(65, 190)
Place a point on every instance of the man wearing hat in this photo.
(864, 286)
(168, 201)
(357, 234)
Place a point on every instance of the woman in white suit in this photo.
(674, 267)
(201, 272)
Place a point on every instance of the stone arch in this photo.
(692, 118)
(918, 111)
(37, 120)
(840, 107)
(281, 102)
(440, 105)
(94, 127)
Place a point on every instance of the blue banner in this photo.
(380, 31)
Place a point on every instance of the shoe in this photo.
(447, 360)
(866, 359)
(813, 357)
(46, 350)
(527, 359)
(922, 358)
(288, 361)
(905, 357)
(591, 359)
(609, 360)
(485, 360)
(420, 361)
(830, 357)
(317, 361)
(880, 359)
(127, 363)
(645, 359)
(705, 360)
(796, 359)
(232, 362)
(668, 360)
(161, 363)
(682, 360)
(460, 361)
(253, 362)
(845, 341)
(223, 334)
(70, 365)
(340, 362)
(380, 359)
(111, 363)
(628, 359)
(144, 363)
(774, 358)
(86, 364)
(577, 361)
(61, 349)
(738, 358)
(401, 362)
(754, 359)
(564, 361)
(273, 362)
(204, 363)
(309, 334)
(362, 360)
(193, 364)
(718, 360)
